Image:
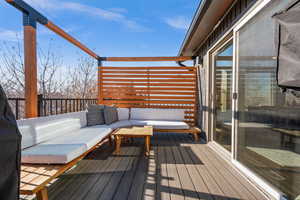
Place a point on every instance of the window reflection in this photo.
(223, 93)
(269, 120)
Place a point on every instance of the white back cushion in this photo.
(52, 129)
(157, 114)
(123, 113)
(27, 127)
(28, 136)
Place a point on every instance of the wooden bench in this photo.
(36, 177)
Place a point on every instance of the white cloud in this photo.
(10, 35)
(14, 35)
(178, 22)
(114, 14)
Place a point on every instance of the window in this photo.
(268, 121)
(223, 94)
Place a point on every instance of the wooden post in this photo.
(30, 61)
(100, 85)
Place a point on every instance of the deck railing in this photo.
(51, 106)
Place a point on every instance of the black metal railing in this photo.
(51, 106)
(18, 106)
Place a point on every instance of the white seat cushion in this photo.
(123, 113)
(88, 136)
(120, 124)
(157, 114)
(52, 153)
(67, 147)
(157, 124)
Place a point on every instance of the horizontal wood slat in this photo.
(117, 92)
(155, 106)
(149, 87)
(149, 84)
(142, 59)
(146, 68)
(146, 72)
(150, 101)
(147, 97)
(149, 76)
(146, 88)
(147, 80)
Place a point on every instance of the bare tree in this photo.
(49, 63)
(52, 82)
(12, 69)
(82, 82)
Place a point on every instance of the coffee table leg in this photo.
(147, 145)
(118, 144)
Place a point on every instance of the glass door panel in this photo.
(222, 95)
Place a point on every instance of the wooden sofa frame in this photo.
(36, 177)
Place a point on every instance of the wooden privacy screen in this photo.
(149, 87)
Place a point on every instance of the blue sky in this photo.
(111, 27)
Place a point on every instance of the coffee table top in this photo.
(135, 131)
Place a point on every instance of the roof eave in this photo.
(207, 16)
(196, 20)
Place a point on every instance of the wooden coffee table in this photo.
(135, 131)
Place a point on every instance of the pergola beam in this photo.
(71, 39)
(145, 59)
(38, 17)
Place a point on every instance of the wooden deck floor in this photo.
(178, 168)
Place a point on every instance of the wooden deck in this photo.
(177, 168)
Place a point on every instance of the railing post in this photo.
(40, 105)
(30, 66)
(17, 109)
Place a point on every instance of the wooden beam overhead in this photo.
(143, 59)
(71, 39)
(38, 17)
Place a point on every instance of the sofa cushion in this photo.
(88, 136)
(123, 113)
(52, 153)
(27, 127)
(120, 124)
(110, 115)
(28, 136)
(157, 114)
(95, 108)
(53, 129)
(95, 118)
(160, 124)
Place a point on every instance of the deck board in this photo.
(177, 168)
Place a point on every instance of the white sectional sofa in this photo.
(59, 139)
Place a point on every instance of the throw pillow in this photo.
(92, 108)
(95, 115)
(110, 115)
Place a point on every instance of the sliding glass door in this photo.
(222, 93)
(268, 128)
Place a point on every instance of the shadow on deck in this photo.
(177, 168)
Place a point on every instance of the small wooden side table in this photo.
(135, 131)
